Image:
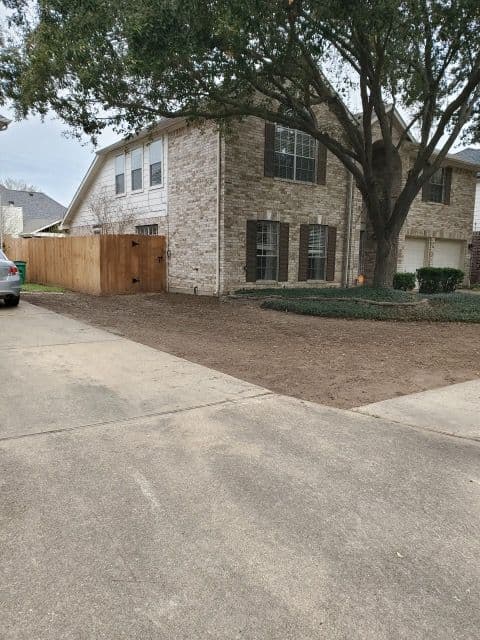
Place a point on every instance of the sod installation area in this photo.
(370, 304)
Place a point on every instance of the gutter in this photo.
(349, 231)
(218, 212)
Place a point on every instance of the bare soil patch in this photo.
(342, 363)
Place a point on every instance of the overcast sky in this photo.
(39, 153)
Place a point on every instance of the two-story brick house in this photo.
(265, 206)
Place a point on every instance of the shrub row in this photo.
(439, 279)
(430, 280)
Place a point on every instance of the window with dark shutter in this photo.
(283, 252)
(438, 188)
(303, 253)
(331, 253)
(251, 248)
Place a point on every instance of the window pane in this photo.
(306, 145)
(120, 183)
(305, 170)
(317, 252)
(119, 165)
(136, 179)
(147, 230)
(120, 174)
(155, 173)
(284, 166)
(437, 186)
(267, 250)
(155, 151)
(136, 157)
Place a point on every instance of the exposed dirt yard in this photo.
(343, 363)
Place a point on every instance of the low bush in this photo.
(404, 281)
(439, 279)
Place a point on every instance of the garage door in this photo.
(448, 253)
(414, 255)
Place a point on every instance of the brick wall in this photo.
(192, 209)
(248, 195)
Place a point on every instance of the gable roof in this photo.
(469, 155)
(4, 122)
(39, 210)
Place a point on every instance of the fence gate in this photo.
(133, 264)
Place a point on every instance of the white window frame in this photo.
(159, 184)
(118, 157)
(439, 183)
(132, 152)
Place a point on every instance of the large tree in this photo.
(101, 62)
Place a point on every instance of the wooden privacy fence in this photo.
(99, 264)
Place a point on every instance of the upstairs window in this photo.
(438, 188)
(155, 157)
(136, 159)
(295, 153)
(120, 174)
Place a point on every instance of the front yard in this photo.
(339, 362)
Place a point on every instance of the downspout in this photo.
(218, 211)
(349, 233)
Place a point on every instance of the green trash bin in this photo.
(22, 269)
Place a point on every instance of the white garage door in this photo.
(414, 255)
(448, 253)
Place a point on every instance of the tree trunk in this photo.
(385, 262)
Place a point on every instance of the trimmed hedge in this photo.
(452, 307)
(439, 279)
(404, 281)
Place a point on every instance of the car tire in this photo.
(12, 301)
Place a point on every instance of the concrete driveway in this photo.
(146, 497)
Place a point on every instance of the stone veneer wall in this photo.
(248, 195)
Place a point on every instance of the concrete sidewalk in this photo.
(453, 410)
(146, 497)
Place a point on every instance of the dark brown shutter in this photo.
(448, 184)
(331, 253)
(303, 253)
(251, 246)
(321, 164)
(269, 157)
(283, 252)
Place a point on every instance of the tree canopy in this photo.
(124, 63)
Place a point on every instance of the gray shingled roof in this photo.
(470, 155)
(39, 210)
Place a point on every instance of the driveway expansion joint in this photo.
(121, 421)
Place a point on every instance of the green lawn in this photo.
(453, 307)
(30, 287)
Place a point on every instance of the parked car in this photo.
(10, 282)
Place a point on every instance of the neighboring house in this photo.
(265, 207)
(40, 214)
(4, 122)
(473, 156)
